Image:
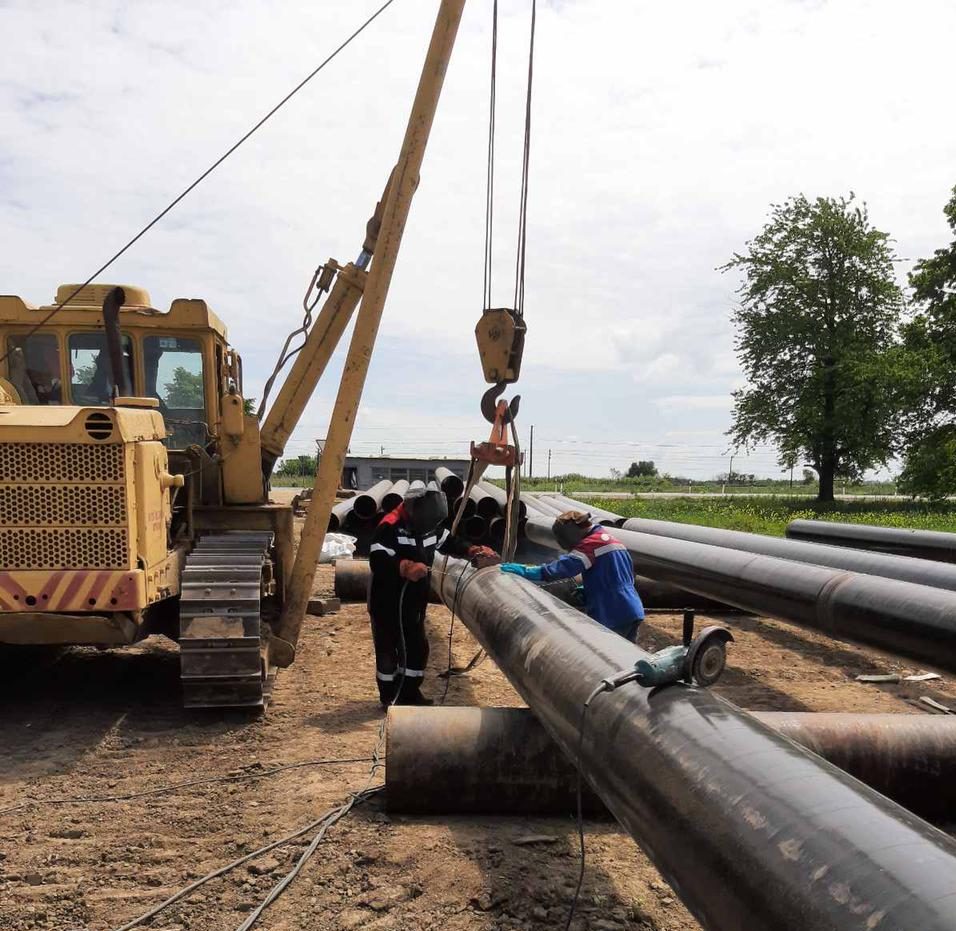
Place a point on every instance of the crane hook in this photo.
(489, 403)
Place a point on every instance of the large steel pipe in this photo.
(601, 515)
(395, 496)
(340, 514)
(352, 578)
(486, 505)
(542, 505)
(501, 497)
(475, 527)
(466, 760)
(469, 507)
(532, 506)
(751, 830)
(909, 620)
(369, 503)
(920, 571)
(492, 761)
(450, 483)
(923, 544)
(352, 575)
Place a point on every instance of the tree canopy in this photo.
(929, 424)
(185, 389)
(819, 310)
(643, 469)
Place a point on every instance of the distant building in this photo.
(364, 471)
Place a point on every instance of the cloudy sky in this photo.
(662, 133)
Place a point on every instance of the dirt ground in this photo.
(94, 724)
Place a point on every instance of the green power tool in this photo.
(699, 659)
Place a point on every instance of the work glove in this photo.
(577, 597)
(532, 573)
(483, 556)
(412, 571)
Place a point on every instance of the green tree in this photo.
(185, 389)
(643, 469)
(930, 340)
(818, 313)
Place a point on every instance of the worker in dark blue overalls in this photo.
(605, 567)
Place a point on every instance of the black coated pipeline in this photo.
(920, 571)
(909, 620)
(922, 544)
(751, 830)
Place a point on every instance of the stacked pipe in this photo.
(750, 829)
(922, 544)
(903, 618)
(920, 571)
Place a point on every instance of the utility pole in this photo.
(549, 464)
(531, 454)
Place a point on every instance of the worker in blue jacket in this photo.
(605, 567)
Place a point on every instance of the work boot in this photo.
(413, 696)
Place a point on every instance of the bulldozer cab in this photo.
(179, 357)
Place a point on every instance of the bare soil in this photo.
(87, 724)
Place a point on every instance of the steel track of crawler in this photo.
(222, 643)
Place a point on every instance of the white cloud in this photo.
(662, 132)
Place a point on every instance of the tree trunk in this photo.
(827, 467)
(827, 470)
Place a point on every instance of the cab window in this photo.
(91, 376)
(174, 375)
(34, 366)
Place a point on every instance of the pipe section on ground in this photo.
(920, 571)
(475, 527)
(339, 514)
(395, 496)
(501, 496)
(352, 575)
(545, 507)
(461, 760)
(600, 515)
(469, 507)
(922, 544)
(751, 830)
(369, 503)
(451, 484)
(485, 505)
(909, 620)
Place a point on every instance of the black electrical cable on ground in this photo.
(204, 175)
(323, 823)
(603, 687)
(165, 790)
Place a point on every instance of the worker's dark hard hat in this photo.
(571, 527)
(426, 507)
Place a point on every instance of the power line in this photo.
(205, 174)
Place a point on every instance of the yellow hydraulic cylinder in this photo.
(397, 204)
(310, 362)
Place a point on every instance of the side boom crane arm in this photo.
(394, 216)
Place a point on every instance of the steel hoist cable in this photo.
(525, 171)
(348, 41)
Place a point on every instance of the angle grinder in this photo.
(699, 660)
